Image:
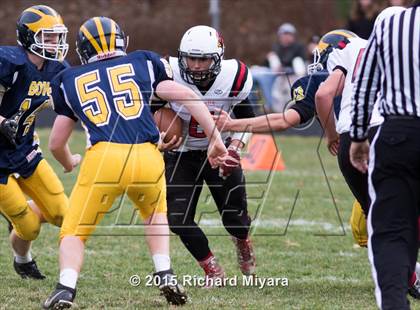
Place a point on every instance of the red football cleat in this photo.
(246, 256)
(215, 274)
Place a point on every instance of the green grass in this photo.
(323, 268)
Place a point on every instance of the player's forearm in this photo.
(60, 134)
(200, 112)
(324, 108)
(63, 155)
(326, 118)
(172, 91)
(260, 124)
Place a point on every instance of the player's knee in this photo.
(174, 225)
(71, 227)
(149, 212)
(26, 225)
(238, 218)
(29, 233)
(57, 210)
(237, 231)
(237, 223)
(177, 224)
(64, 234)
(56, 219)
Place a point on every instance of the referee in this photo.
(391, 64)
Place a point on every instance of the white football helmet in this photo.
(201, 42)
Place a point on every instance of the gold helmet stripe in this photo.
(101, 34)
(343, 33)
(45, 21)
(112, 39)
(47, 8)
(322, 45)
(91, 39)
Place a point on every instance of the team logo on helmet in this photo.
(220, 41)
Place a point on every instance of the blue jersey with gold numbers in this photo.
(27, 93)
(111, 97)
(303, 94)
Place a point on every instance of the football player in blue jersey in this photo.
(110, 94)
(25, 74)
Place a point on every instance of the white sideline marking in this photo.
(296, 224)
(331, 279)
(281, 223)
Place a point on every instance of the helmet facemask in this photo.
(41, 31)
(203, 76)
(48, 50)
(200, 42)
(319, 60)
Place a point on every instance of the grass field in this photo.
(314, 252)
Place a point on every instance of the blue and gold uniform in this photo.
(303, 94)
(27, 93)
(111, 99)
(41, 35)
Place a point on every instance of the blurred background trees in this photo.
(248, 26)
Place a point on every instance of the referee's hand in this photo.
(359, 155)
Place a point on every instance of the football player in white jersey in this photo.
(221, 84)
(340, 51)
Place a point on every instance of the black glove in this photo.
(8, 128)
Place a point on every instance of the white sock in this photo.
(23, 259)
(68, 277)
(161, 262)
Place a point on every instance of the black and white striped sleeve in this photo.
(365, 89)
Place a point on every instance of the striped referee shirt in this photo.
(390, 69)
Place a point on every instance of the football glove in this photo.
(8, 128)
(232, 161)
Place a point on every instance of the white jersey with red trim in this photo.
(231, 86)
(348, 61)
